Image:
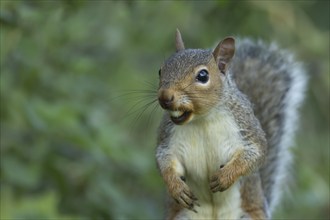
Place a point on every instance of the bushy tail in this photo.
(275, 84)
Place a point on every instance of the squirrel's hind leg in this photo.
(175, 211)
(254, 203)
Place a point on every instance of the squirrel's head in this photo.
(191, 80)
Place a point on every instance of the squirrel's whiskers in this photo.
(142, 105)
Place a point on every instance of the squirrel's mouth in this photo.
(180, 117)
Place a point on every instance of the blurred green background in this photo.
(73, 142)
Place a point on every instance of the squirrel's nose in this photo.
(166, 99)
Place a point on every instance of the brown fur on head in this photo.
(191, 80)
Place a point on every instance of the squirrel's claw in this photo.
(194, 210)
(184, 201)
(220, 181)
(183, 195)
(214, 184)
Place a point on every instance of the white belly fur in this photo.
(201, 147)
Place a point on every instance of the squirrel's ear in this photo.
(178, 41)
(224, 52)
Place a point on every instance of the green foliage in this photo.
(72, 146)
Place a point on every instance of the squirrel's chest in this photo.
(203, 146)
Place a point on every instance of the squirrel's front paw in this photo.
(181, 193)
(222, 179)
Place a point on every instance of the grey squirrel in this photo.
(230, 115)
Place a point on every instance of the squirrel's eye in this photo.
(202, 76)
